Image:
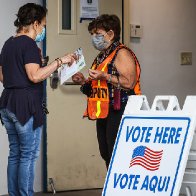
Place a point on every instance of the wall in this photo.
(8, 10)
(169, 28)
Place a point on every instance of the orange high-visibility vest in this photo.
(98, 102)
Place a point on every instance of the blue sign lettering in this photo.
(125, 181)
(156, 183)
(141, 134)
(153, 184)
(167, 135)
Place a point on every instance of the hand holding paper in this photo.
(78, 78)
(69, 59)
(67, 71)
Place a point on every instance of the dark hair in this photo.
(106, 22)
(28, 14)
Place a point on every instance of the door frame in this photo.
(44, 133)
(126, 22)
(125, 40)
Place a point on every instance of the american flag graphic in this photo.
(146, 158)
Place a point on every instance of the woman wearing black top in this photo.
(21, 101)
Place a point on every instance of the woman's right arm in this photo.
(37, 74)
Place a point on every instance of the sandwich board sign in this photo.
(152, 147)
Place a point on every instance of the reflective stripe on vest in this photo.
(98, 101)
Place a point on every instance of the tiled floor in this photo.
(95, 192)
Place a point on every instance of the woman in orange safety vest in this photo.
(114, 75)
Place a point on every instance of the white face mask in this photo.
(99, 42)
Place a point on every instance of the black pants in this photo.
(107, 130)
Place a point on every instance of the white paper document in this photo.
(89, 9)
(67, 72)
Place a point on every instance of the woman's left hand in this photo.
(97, 75)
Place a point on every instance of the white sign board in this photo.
(150, 154)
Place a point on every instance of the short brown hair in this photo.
(106, 22)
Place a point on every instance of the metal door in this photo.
(73, 160)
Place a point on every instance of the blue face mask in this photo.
(99, 42)
(40, 37)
